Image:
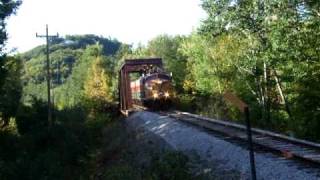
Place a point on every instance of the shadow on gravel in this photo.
(136, 153)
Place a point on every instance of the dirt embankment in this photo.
(133, 152)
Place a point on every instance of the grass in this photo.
(82, 146)
(31, 149)
(131, 155)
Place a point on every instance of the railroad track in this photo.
(287, 146)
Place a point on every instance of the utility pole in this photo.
(47, 36)
(243, 107)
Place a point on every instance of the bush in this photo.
(30, 119)
(121, 172)
(62, 150)
(170, 166)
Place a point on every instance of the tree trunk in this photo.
(283, 97)
(5, 122)
(267, 93)
(259, 91)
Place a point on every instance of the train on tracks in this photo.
(144, 83)
(153, 89)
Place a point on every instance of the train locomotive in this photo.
(153, 89)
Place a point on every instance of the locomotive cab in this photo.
(158, 86)
(158, 91)
(144, 82)
(153, 89)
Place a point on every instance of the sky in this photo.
(129, 21)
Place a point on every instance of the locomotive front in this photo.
(158, 90)
(158, 86)
(153, 90)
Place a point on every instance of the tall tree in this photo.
(167, 47)
(11, 90)
(255, 20)
(7, 7)
(97, 88)
(9, 70)
(279, 61)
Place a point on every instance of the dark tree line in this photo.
(10, 87)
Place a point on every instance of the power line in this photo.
(47, 36)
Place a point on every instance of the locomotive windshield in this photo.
(153, 69)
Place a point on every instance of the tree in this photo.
(11, 90)
(245, 19)
(9, 70)
(214, 65)
(7, 7)
(71, 92)
(97, 87)
(279, 59)
(109, 46)
(167, 47)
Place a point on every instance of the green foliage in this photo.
(9, 69)
(7, 8)
(97, 87)
(265, 52)
(109, 46)
(70, 58)
(121, 172)
(35, 52)
(34, 118)
(163, 46)
(127, 154)
(171, 165)
(71, 92)
(167, 48)
(200, 77)
(10, 90)
(307, 104)
(61, 151)
(30, 148)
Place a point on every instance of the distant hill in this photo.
(64, 54)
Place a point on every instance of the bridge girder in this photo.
(131, 66)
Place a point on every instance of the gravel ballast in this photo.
(216, 152)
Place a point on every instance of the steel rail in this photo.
(288, 146)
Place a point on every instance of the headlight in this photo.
(155, 95)
(166, 94)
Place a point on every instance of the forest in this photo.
(265, 52)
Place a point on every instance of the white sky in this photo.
(129, 21)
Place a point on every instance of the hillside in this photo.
(70, 58)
